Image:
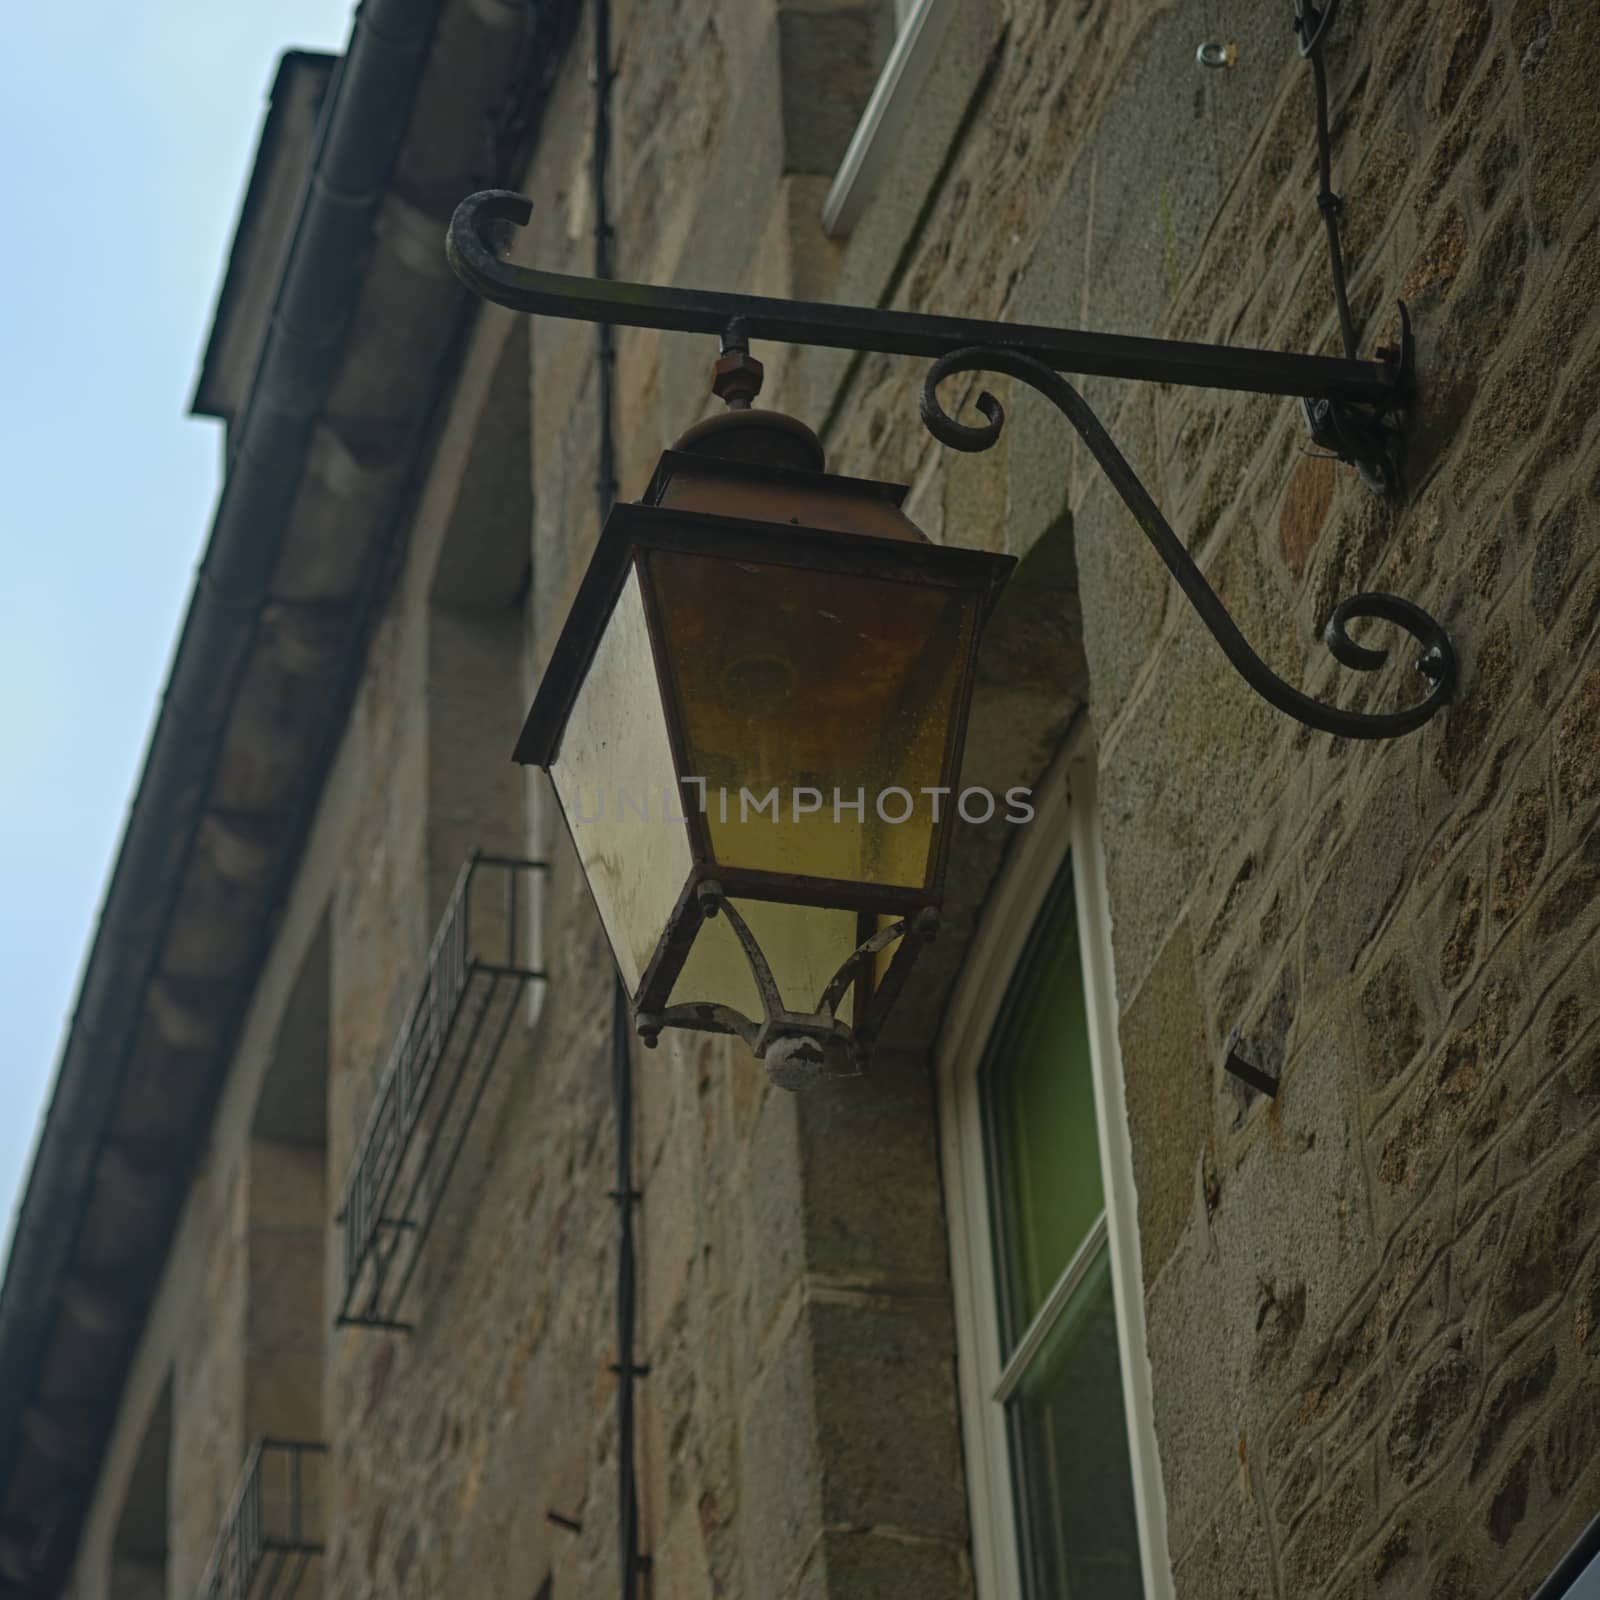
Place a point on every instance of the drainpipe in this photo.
(369, 106)
(625, 1195)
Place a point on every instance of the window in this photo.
(920, 27)
(1063, 1477)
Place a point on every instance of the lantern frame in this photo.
(632, 536)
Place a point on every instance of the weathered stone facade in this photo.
(1372, 1302)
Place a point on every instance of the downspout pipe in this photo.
(369, 108)
(625, 1194)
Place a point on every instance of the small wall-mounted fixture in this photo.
(1246, 1071)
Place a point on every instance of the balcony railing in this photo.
(274, 1528)
(436, 1076)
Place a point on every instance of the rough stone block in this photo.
(1228, 1559)
(873, 1210)
(1437, 1400)
(1169, 1087)
(829, 58)
(1341, 1520)
(886, 1566)
(888, 1434)
(1173, 782)
(781, 1485)
(774, 1250)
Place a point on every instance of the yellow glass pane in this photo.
(816, 708)
(618, 788)
(804, 946)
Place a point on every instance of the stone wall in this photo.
(1397, 1257)
(1394, 1267)
(1396, 1261)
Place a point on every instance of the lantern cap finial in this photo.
(736, 377)
(757, 439)
(742, 433)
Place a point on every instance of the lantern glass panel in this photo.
(618, 787)
(817, 707)
(804, 946)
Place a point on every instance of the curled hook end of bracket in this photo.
(1437, 663)
(1344, 649)
(491, 205)
(469, 246)
(1438, 660)
(939, 422)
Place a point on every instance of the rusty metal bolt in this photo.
(736, 378)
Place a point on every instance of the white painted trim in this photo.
(996, 949)
(1055, 1303)
(1065, 817)
(1116, 1166)
(877, 135)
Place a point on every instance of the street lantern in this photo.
(760, 648)
(753, 720)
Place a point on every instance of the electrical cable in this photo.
(1311, 26)
(624, 1194)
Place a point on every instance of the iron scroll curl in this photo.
(1436, 662)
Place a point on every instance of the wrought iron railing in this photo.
(436, 1076)
(274, 1527)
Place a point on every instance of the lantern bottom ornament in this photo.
(799, 1049)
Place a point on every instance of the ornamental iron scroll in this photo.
(1436, 663)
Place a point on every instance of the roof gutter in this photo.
(368, 111)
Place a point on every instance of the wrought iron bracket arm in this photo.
(1348, 404)
(471, 245)
(1437, 662)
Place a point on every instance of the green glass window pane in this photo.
(1045, 1150)
(1079, 1531)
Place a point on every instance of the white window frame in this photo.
(1066, 818)
(921, 29)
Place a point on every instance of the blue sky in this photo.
(128, 134)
